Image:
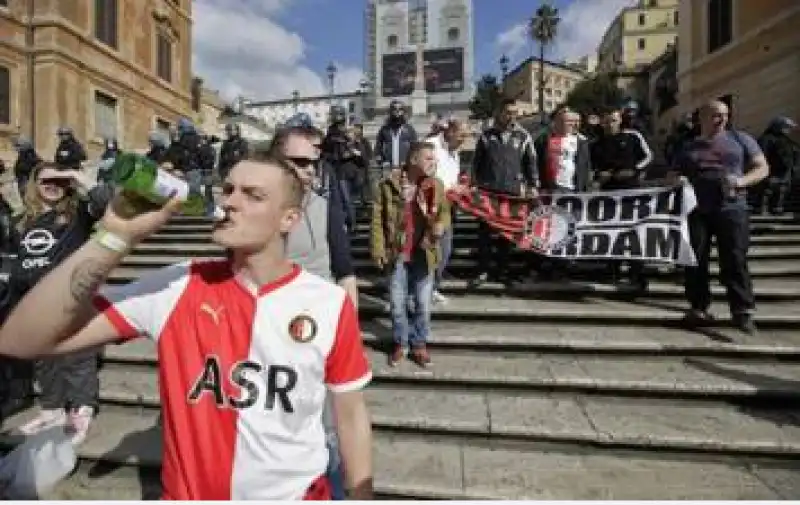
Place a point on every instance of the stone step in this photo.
(459, 252)
(765, 289)
(465, 239)
(758, 267)
(586, 310)
(124, 448)
(653, 376)
(542, 338)
(632, 422)
(364, 213)
(363, 226)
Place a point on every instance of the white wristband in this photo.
(111, 241)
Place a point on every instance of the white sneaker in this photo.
(80, 420)
(46, 419)
(438, 297)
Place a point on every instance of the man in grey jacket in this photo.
(319, 243)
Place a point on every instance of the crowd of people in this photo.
(271, 405)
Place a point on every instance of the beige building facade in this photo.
(746, 52)
(639, 35)
(106, 68)
(559, 79)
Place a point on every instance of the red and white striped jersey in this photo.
(243, 373)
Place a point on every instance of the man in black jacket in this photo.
(619, 158)
(394, 139)
(505, 163)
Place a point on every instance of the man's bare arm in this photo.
(355, 442)
(759, 170)
(350, 285)
(60, 305)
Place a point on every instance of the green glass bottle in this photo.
(140, 176)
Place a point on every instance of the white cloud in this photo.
(241, 50)
(583, 23)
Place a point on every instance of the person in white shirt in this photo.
(448, 169)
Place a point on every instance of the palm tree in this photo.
(542, 28)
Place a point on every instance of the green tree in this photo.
(488, 94)
(598, 93)
(543, 28)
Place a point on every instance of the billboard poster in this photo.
(444, 72)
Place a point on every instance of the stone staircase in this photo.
(549, 391)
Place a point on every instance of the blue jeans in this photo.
(446, 247)
(346, 189)
(415, 279)
(334, 472)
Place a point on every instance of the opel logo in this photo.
(38, 241)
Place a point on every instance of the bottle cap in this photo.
(218, 214)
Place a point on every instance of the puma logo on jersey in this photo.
(214, 314)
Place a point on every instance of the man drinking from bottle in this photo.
(247, 345)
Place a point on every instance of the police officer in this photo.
(207, 158)
(107, 159)
(721, 163)
(233, 150)
(27, 159)
(783, 156)
(158, 147)
(184, 154)
(70, 153)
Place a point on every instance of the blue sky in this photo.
(267, 48)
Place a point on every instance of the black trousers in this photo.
(69, 380)
(731, 228)
(494, 251)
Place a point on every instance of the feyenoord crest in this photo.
(549, 228)
(302, 329)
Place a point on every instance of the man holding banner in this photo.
(504, 167)
(720, 164)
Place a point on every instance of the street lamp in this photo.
(295, 99)
(504, 66)
(331, 76)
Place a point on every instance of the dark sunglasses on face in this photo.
(302, 162)
(55, 182)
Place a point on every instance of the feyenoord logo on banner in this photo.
(549, 228)
(302, 329)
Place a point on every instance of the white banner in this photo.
(646, 224)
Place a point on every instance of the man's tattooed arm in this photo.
(64, 298)
(85, 281)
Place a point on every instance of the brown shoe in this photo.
(420, 356)
(397, 355)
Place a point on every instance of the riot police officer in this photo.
(233, 149)
(107, 159)
(27, 159)
(158, 147)
(70, 153)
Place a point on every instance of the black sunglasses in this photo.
(303, 162)
(55, 182)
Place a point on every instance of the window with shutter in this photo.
(163, 56)
(720, 24)
(105, 22)
(105, 116)
(5, 96)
